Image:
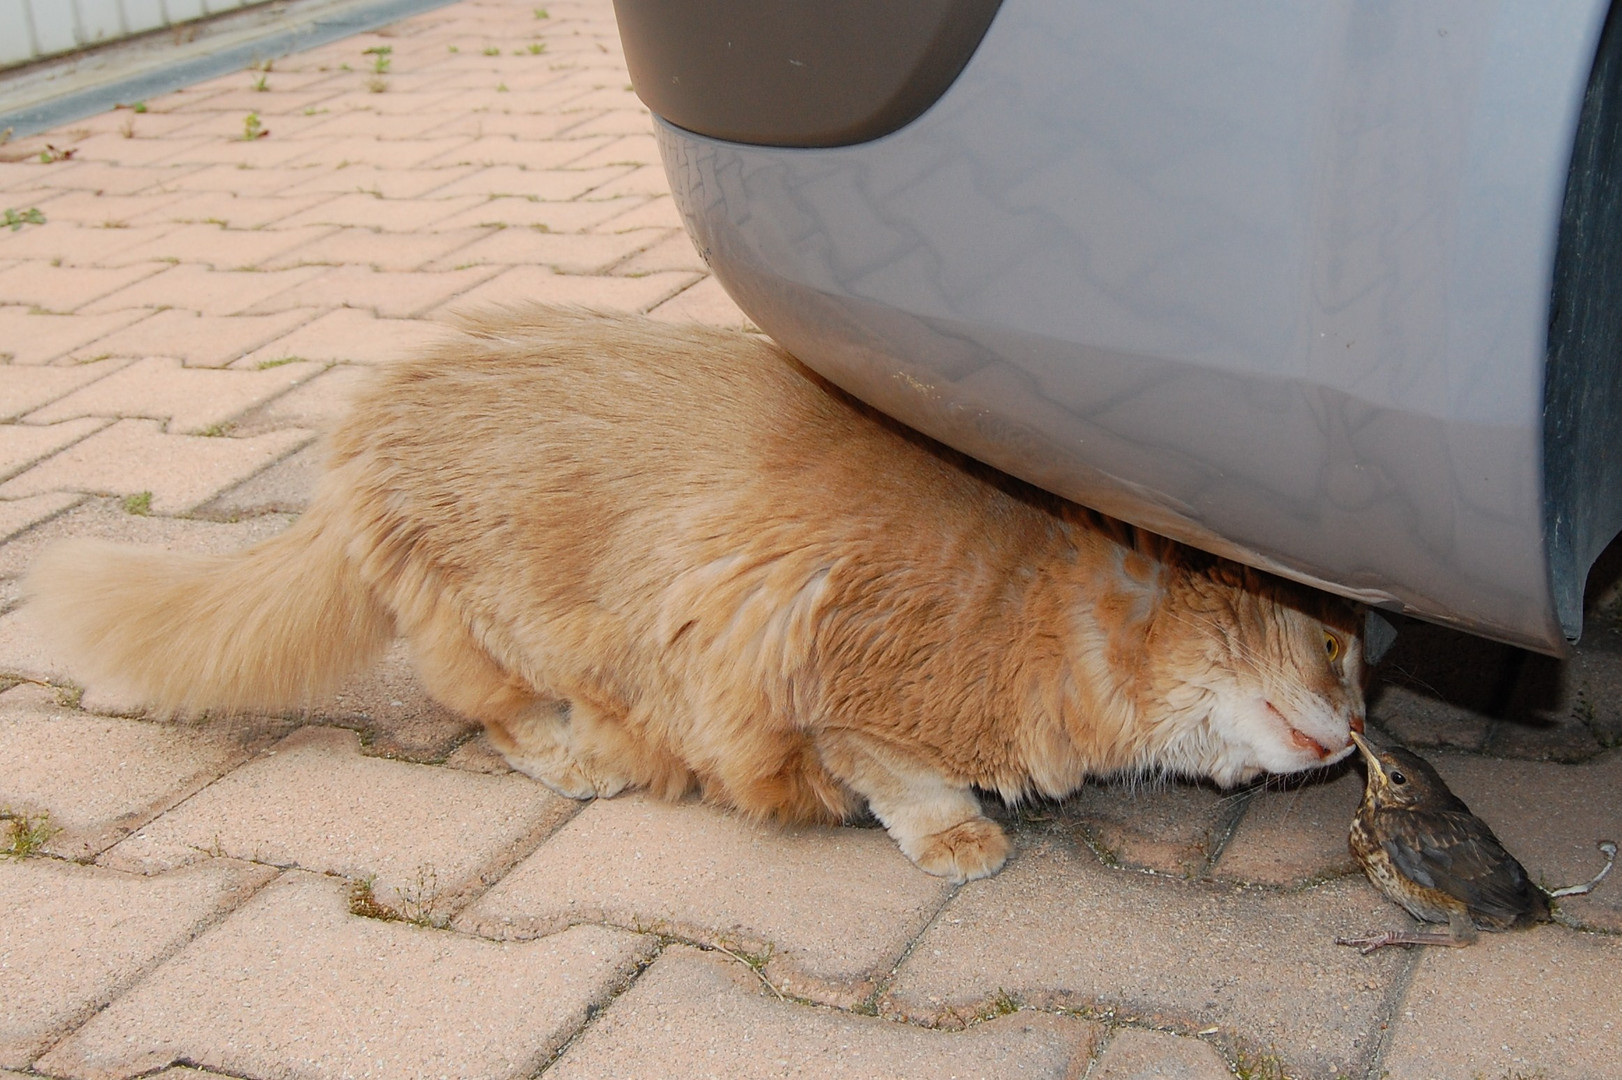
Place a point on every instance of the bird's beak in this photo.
(1368, 751)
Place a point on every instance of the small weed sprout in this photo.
(252, 128)
(541, 13)
(53, 153)
(1265, 1066)
(536, 48)
(262, 83)
(214, 431)
(266, 365)
(27, 834)
(377, 84)
(139, 504)
(501, 88)
(492, 50)
(139, 106)
(18, 218)
(380, 58)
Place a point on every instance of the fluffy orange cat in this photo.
(673, 558)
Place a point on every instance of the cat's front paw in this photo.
(972, 849)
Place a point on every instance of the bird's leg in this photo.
(1461, 931)
(1607, 846)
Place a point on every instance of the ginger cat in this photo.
(673, 558)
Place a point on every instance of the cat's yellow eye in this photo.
(1331, 646)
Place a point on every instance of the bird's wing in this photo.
(1455, 853)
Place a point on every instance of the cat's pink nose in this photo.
(1357, 726)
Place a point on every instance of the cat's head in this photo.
(1265, 676)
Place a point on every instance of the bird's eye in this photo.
(1396, 777)
(1331, 646)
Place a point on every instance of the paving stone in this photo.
(643, 213)
(28, 337)
(1534, 1003)
(367, 150)
(674, 252)
(316, 403)
(569, 253)
(834, 907)
(558, 217)
(74, 937)
(200, 340)
(79, 245)
(283, 488)
(191, 399)
(66, 288)
(1441, 687)
(388, 293)
(1260, 966)
(1557, 701)
(392, 183)
(426, 834)
(551, 184)
(112, 211)
(641, 180)
(106, 519)
(524, 283)
(715, 1019)
(212, 292)
(383, 250)
(234, 211)
(1294, 834)
(293, 985)
(1171, 827)
(131, 456)
(20, 514)
(523, 153)
(240, 179)
(395, 714)
(1420, 721)
(349, 336)
(1135, 1054)
(22, 445)
(624, 150)
(24, 388)
(100, 778)
(219, 247)
(1550, 817)
(374, 212)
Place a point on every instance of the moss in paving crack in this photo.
(364, 902)
(1262, 1066)
(27, 834)
(139, 504)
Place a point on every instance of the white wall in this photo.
(31, 29)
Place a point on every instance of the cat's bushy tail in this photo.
(278, 624)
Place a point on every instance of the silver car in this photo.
(1329, 288)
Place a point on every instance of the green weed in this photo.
(139, 504)
(18, 218)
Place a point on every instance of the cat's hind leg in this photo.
(938, 825)
(537, 732)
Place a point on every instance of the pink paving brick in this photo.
(705, 302)
(237, 211)
(199, 340)
(383, 153)
(382, 250)
(569, 253)
(28, 337)
(25, 445)
(560, 217)
(524, 283)
(132, 456)
(109, 211)
(376, 212)
(394, 183)
(240, 181)
(292, 977)
(217, 246)
(524, 153)
(389, 293)
(347, 336)
(65, 288)
(24, 389)
(16, 515)
(548, 184)
(206, 290)
(72, 244)
(190, 399)
(642, 213)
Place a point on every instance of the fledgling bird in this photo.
(1421, 846)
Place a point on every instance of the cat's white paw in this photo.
(972, 849)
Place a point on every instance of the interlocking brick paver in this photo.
(190, 399)
(132, 456)
(23, 445)
(1416, 719)
(384, 153)
(31, 337)
(380, 249)
(224, 208)
(111, 211)
(704, 302)
(1294, 834)
(716, 1020)
(1260, 966)
(26, 388)
(348, 336)
(395, 715)
(1171, 827)
(523, 284)
(103, 177)
(524, 153)
(74, 936)
(393, 293)
(834, 907)
(283, 488)
(19, 514)
(375, 212)
(552, 184)
(72, 244)
(569, 253)
(100, 778)
(219, 247)
(390, 183)
(674, 251)
(313, 801)
(243, 180)
(1534, 1003)
(558, 217)
(1135, 1054)
(640, 180)
(202, 341)
(66, 288)
(624, 150)
(207, 290)
(315, 403)
(292, 984)
(639, 213)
